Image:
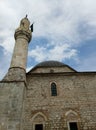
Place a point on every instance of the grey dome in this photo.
(46, 64)
(50, 64)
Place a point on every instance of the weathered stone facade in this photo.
(11, 100)
(30, 102)
(75, 100)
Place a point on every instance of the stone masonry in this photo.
(75, 100)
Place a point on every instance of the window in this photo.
(53, 89)
(73, 126)
(38, 127)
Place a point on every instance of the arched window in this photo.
(53, 89)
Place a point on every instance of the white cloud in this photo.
(38, 53)
(55, 19)
(62, 22)
(57, 52)
(4, 63)
(61, 52)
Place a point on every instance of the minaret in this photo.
(17, 70)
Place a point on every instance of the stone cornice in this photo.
(63, 74)
(21, 33)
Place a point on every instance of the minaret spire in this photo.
(22, 36)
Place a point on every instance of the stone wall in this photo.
(23, 106)
(75, 101)
(52, 69)
(11, 104)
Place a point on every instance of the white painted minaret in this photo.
(23, 34)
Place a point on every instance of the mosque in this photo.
(51, 96)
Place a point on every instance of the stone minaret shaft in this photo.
(22, 36)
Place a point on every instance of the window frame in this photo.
(72, 122)
(53, 89)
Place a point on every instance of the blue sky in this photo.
(64, 30)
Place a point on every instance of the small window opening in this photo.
(73, 126)
(39, 127)
(53, 89)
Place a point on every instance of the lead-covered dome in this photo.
(51, 66)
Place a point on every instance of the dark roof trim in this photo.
(64, 73)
